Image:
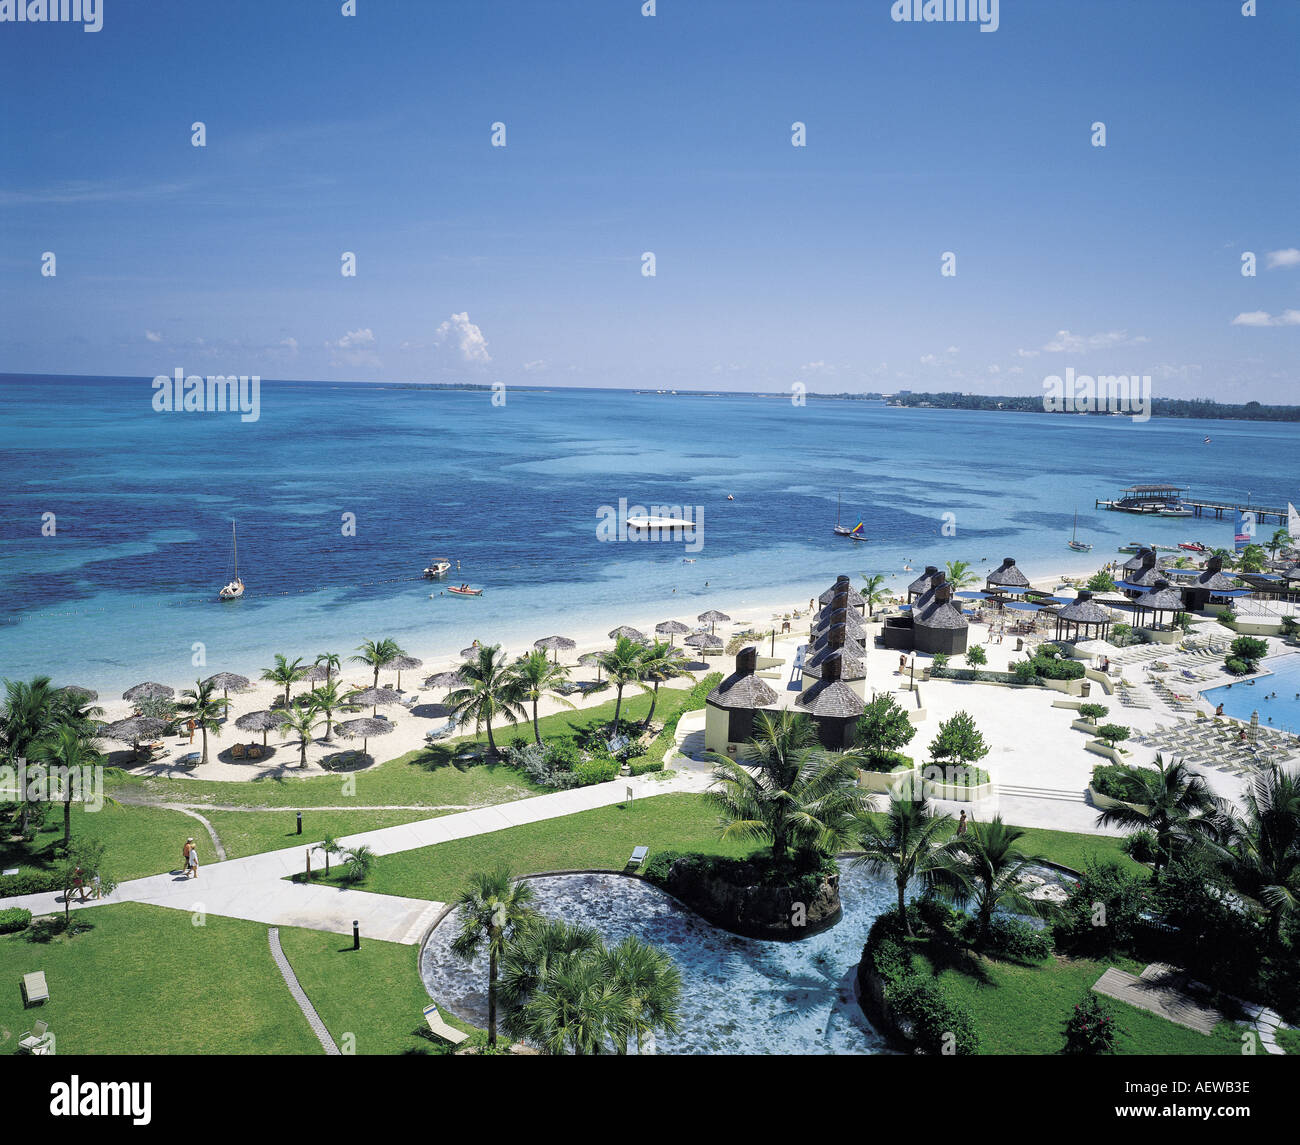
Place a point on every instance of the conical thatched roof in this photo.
(713, 616)
(704, 640)
(445, 680)
(227, 680)
(78, 694)
(1163, 597)
(1215, 581)
(672, 628)
(149, 691)
(828, 620)
(371, 697)
(263, 721)
(135, 728)
(555, 643)
(832, 698)
(317, 673)
(364, 727)
(742, 690)
(1084, 610)
(628, 631)
(1139, 561)
(922, 583)
(843, 586)
(1007, 575)
(852, 664)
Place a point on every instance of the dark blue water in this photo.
(143, 503)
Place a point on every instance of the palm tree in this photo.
(984, 866)
(328, 846)
(652, 985)
(579, 1008)
(333, 664)
(873, 590)
(1263, 855)
(660, 661)
(911, 842)
(377, 653)
(68, 748)
(285, 672)
(623, 666)
(492, 906)
(206, 710)
(537, 676)
(1170, 801)
(786, 792)
(490, 691)
(302, 721)
(30, 708)
(960, 574)
(328, 698)
(1281, 539)
(1252, 559)
(538, 946)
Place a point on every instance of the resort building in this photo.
(833, 705)
(1082, 619)
(730, 707)
(1006, 578)
(843, 587)
(934, 624)
(1211, 586)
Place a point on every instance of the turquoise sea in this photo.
(125, 588)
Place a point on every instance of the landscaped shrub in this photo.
(883, 726)
(1011, 938)
(29, 883)
(645, 765)
(1104, 911)
(1093, 712)
(14, 920)
(1091, 1027)
(597, 769)
(548, 764)
(955, 775)
(1026, 671)
(937, 1023)
(1140, 846)
(1115, 780)
(1049, 664)
(1112, 733)
(360, 862)
(885, 761)
(804, 870)
(1249, 648)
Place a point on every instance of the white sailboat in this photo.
(235, 589)
(1077, 545)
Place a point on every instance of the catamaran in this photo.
(843, 530)
(1077, 545)
(235, 589)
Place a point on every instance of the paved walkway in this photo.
(300, 996)
(1152, 992)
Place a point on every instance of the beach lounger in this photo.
(438, 1026)
(238, 752)
(33, 1041)
(638, 856)
(34, 988)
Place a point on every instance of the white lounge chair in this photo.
(638, 856)
(33, 1041)
(440, 1027)
(35, 989)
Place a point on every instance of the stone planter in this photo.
(757, 910)
(1103, 749)
(882, 782)
(1106, 803)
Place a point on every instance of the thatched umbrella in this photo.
(363, 728)
(628, 631)
(555, 643)
(262, 721)
(135, 728)
(706, 642)
(149, 692)
(712, 617)
(445, 680)
(374, 697)
(401, 662)
(225, 681)
(591, 658)
(671, 628)
(79, 694)
(316, 673)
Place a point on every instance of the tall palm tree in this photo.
(960, 574)
(652, 985)
(67, 747)
(1172, 802)
(492, 906)
(1252, 559)
(660, 661)
(985, 867)
(205, 709)
(910, 842)
(579, 1008)
(785, 792)
(333, 664)
(286, 672)
(538, 676)
(873, 590)
(538, 946)
(377, 653)
(490, 691)
(1263, 852)
(623, 666)
(1281, 539)
(30, 709)
(301, 721)
(328, 698)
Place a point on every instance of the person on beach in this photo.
(190, 728)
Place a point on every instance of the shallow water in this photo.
(740, 995)
(1241, 699)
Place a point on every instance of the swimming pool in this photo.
(1282, 711)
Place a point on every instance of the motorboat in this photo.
(465, 590)
(436, 569)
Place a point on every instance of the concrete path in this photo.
(299, 995)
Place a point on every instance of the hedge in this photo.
(14, 919)
(28, 883)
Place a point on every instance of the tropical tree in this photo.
(492, 906)
(377, 653)
(328, 846)
(652, 986)
(85, 860)
(1263, 851)
(883, 726)
(1252, 559)
(328, 698)
(333, 664)
(961, 575)
(285, 672)
(538, 945)
(302, 722)
(69, 749)
(537, 676)
(490, 691)
(1101, 581)
(873, 590)
(785, 791)
(623, 665)
(1281, 539)
(1170, 801)
(660, 661)
(910, 842)
(205, 709)
(976, 657)
(959, 740)
(985, 867)
(578, 1008)
(30, 708)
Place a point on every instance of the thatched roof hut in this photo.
(922, 583)
(1082, 619)
(1006, 576)
(833, 705)
(938, 625)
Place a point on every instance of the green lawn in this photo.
(253, 832)
(1289, 1040)
(373, 994)
(1022, 1009)
(145, 980)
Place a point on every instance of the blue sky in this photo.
(670, 134)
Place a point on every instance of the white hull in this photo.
(232, 591)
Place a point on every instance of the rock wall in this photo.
(756, 909)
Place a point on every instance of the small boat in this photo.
(1206, 442)
(1135, 547)
(235, 589)
(436, 569)
(1193, 546)
(844, 530)
(1077, 545)
(465, 590)
(1178, 510)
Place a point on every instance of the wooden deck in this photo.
(1159, 990)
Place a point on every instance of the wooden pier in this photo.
(1262, 512)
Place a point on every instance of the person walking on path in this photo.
(192, 862)
(185, 855)
(961, 824)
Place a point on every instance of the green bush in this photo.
(1026, 671)
(1011, 938)
(1104, 911)
(1249, 648)
(645, 765)
(1113, 733)
(598, 769)
(885, 761)
(937, 1023)
(14, 919)
(28, 883)
(1238, 667)
(1140, 846)
(1091, 1027)
(1093, 712)
(1114, 780)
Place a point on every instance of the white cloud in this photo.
(539, 364)
(355, 348)
(290, 344)
(1282, 258)
(1264, 318)
(1066, 342)
(928, 359)
(951, 350)
(153, 335)
(995, 369)
(469, 338)
(1027, 353)
(353, 339)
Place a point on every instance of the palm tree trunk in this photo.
(618, 706)
(537, 730)
(902, 907)
(492, 989)
(205, 744)
(654, 699)
(67, 823)
(492, 743)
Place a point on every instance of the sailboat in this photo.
(1077, 545)
(235, 589)
(843, 530)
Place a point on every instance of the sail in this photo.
(1245, 534)
(1292, 521)
(856, 528)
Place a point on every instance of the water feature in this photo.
(1280, 711)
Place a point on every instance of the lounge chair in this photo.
(33, 1041)
(638, 856)
(238, 752)
(441, 732)
(440, 1027)
(254, 752)
(411, 700)
(35, 989)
